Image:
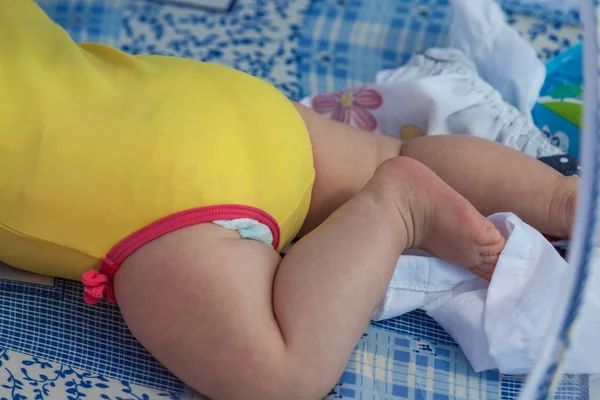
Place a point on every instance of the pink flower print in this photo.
(350, 107)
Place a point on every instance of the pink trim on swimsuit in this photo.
(99, 284)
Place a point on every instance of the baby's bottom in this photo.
(233, 320)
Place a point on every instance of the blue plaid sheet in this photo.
(302, 47)
(346, 43)
(412, 357)
(54, 324)
(87, 21)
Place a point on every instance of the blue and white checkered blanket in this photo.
(89, 20)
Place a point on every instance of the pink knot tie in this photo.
(97, 287)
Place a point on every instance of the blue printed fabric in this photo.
(345, 43)
(256, 36)
(556, 11)
(87, 21)
(54, 324)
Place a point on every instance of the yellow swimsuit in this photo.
(102, 152)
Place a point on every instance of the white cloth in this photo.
(441, 91)
(503, 59)
(501, 326)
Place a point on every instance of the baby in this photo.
(170, 186)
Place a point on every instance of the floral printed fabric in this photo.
(350, 107)
(29, 378)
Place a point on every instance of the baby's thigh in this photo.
(200, 300)
(345, 159)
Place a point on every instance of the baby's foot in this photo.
(441, 221)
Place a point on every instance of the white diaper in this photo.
(248, 229)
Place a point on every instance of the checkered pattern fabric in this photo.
(412, 357)
(87, 21)
(54, 324)
(352, 40)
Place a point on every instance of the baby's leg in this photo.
(495, 178)
(234, 321)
